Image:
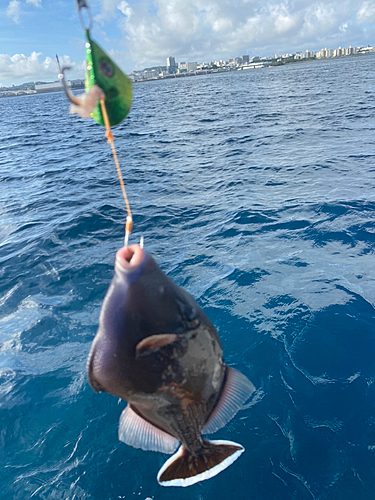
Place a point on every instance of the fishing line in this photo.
(107, 98)
(109, 136)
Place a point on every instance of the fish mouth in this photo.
(129, 258)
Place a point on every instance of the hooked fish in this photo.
(156, 349)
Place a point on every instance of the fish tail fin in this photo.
(185, 468)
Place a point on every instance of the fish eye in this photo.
(194, 324)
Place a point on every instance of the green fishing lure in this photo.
(117, 87)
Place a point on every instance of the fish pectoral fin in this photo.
(137, 432)
(154, 343)
(185, 468)
(236, 391)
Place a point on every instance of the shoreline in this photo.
(22, 93)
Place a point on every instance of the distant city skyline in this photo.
(138, 34)
(245, 62)
(177, 69)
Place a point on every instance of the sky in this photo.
(143, 33)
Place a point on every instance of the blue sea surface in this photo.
(254, 191)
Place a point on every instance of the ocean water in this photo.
(255, 192)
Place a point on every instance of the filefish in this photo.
(156, 349)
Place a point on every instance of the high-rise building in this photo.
(191, 66)
(184, 67)
(308, 54)
(339, 52)
(351, 50)
(149, 74)
(324, 53)
(245, 59)
(171, 65)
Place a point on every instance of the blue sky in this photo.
(144, 32)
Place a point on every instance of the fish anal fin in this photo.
(137, 432)
(185, 468)
(236, 391)
(155, 342)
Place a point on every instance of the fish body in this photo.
(156, 349)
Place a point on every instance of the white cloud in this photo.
(34, 67)
(284, 21)
(319, 18)
(206, 29)
(108, 11)
(344, 27)
(366, 13)
(125, 8)
(14, 10)
(36, 3)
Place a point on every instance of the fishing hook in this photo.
(61, 77)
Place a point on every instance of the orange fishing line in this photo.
(109, 136)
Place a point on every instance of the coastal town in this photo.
(174, 69)
(245, 62)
